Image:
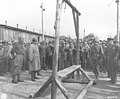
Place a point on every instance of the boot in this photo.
(19, 80)
(35, 75)
(15, 79)
(38, 73)
(32, 76)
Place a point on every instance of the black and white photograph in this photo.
(59, 49)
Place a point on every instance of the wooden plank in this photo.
(42, 89)
(68, 70)
(63, 90)
(82, 94)
(75, 81)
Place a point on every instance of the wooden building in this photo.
(10, 33)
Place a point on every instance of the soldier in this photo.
(108, 55)
(1, 58)
(17, 52)
(95, 49)
(113, 61)
(5, 57)
(34, 59)
(42, 51)
(62, 56)
(49, 55)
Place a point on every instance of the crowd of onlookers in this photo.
(91, 51)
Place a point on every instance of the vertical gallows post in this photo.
(56, 49)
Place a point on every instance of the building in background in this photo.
(10, 33)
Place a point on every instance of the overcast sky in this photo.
(97, 16)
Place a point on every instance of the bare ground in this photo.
(103, 89)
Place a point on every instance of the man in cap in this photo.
(17, 52)
(34, 59)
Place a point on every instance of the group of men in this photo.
(18, 56)
(102, 56)
(98, 56)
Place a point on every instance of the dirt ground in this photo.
(22, 90)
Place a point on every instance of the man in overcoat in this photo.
(108, 55)
(34, 59)
(113, 61)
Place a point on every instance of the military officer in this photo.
(17, 52)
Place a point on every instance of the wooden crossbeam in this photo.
(68, 70)
(42, 89)
(75, 81)
(85, 74)
(63, 90)
(68, 2)
(82, 94)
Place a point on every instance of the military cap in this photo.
(115, 41)
(109, 39)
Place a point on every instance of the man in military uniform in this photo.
(108, 56)
(17, 52)
(49, 55)
(95, 51)
(42, 51)
(1, 59)
(113, 61)
(62, 55)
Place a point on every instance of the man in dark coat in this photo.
(49, 55)
(108, 55)
(113, 61)
(62, 56)
(42, 51)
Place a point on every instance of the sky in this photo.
(97, 16)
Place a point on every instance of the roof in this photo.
(23, 30)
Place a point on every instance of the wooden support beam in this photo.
(75, 81)
(85, 74)
(82, 94)
(68, 70)
(42, 89)
(73, 8)
(63, 90)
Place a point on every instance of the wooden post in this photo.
(56, 50)
(77, 38)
